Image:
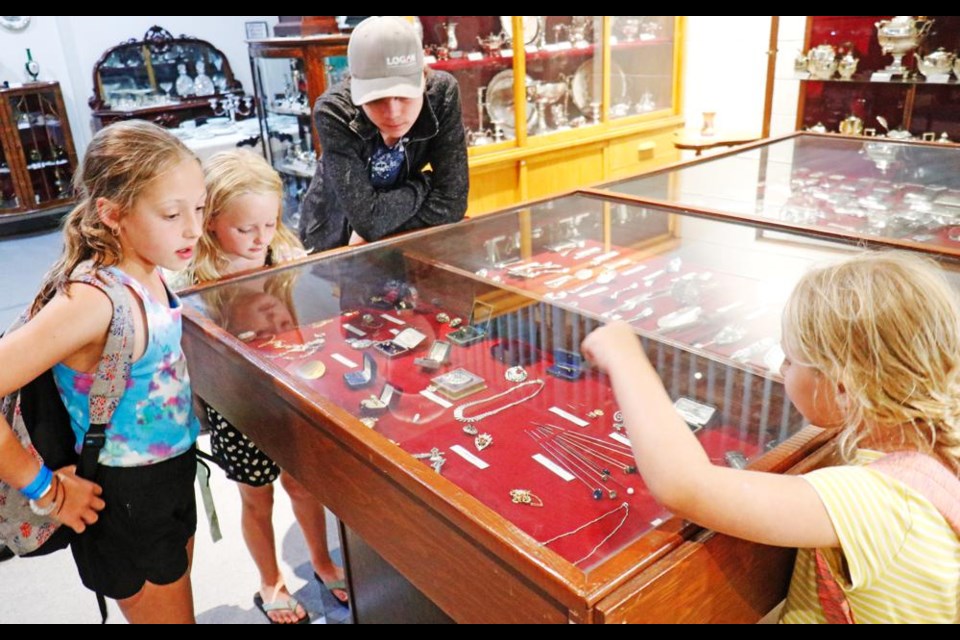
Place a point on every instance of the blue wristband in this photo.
(36, 489)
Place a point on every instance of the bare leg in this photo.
(168, 604)
(256, 521)
(312, 519)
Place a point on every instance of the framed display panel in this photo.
(870, 191)
(512, 520)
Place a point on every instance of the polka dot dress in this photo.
(237, 455)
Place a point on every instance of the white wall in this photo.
(67, 47)
(726, 70)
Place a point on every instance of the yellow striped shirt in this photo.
(901, 558)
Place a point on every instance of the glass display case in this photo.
(888, 74)
(861, 190)
(289, 74)
(596, 97)
(431, 391)
(162, 78)
(37, 156)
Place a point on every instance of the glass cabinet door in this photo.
(281, 85)
(40, 129)
(641, 65)
(8, 193)
(565, 71)
(476, 50)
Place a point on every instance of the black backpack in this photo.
(41, 423)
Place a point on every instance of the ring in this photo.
(515, 374)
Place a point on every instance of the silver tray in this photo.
(582, 86)
(500, 102)
(530, 28)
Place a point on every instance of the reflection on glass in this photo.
(642, 64)
(869, 188)
(519, 291)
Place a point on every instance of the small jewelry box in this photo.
(476, 329)
(436, 357)
(567, 365)
(458, 383)
(364, 377)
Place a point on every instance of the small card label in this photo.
(352, 329)
(563, 46)
(622, 439)
(553, 467)
(430, 395)
(938, 78)
(530, 48)
(881, 77)
(430, 59)
(390, 318)
(469, 457)
(474, 56)
(506, 53)
(693, 412)
(347, 362)
(569, 416)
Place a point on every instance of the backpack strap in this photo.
(109, 382)
(113, 370)
(926, 476)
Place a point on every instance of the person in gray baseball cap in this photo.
(394, 153)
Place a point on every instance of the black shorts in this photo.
(236, 454)
(142, 533)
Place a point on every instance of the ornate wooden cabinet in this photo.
(37, 156)
(161, 78)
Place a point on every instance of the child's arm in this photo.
(72, 328)
(763, 507)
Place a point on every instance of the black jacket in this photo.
(341, 198)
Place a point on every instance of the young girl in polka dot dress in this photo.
(243, 230)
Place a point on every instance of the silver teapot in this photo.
(493, 43)
(899, 36)
(847, 65)
(822, 62)
(851, 126)
(940, 62)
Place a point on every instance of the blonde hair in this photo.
(121, 160)
(229, 175)
(885, 328)
(220, 301)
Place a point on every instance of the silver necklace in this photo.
(626, 513)
(458, 412)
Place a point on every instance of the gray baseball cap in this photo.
(386, 60)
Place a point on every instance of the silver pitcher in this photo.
(899, 36)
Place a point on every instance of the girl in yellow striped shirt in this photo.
(872, 350)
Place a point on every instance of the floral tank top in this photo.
(154, 420)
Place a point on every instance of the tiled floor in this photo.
(224, 578)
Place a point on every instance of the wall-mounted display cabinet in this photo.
(567, 101)
(899, 68)
(37, 156)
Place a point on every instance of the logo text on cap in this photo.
(398, 61)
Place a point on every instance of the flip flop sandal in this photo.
(334, 585)
(289, 604)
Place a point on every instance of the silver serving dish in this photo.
(585, 88)
(899, 36)
(531, 27)
(500, 102)
(940, 62)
